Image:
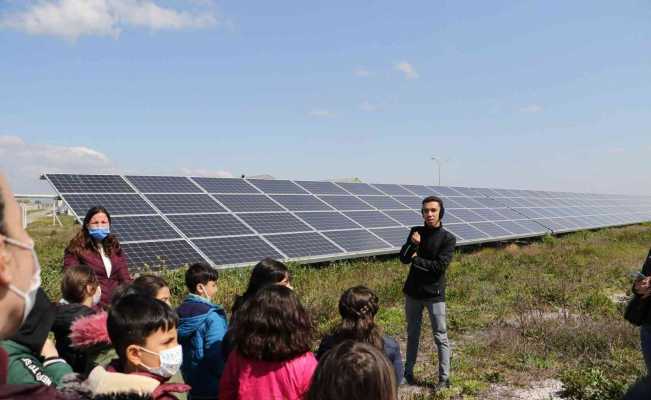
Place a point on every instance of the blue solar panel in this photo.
(395, 236)
(392, 189)
(444, 191)
(116, 204)
(356, 240)
(300, 202)
(413, 202)
(371, 219)
(236, 250)
(419, 190)
(466, 232)
(206, 225)
(71, 183)
(360, 188)
(492, 229)
(299, 245)
(466, 215)
(149, 227)
(346, 203)
(324, 221)
(277, 186)
(184, 203)
(321, 187)
(163, 184)
(383, 202)
(274, 222)
(407, 217)
(247, 202)
(160, 255)
(225, 185)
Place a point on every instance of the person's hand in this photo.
(49, 349)
(642, 287)
(415, 238)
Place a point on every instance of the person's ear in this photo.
(133, 355)
(6, 259)
(90, 290)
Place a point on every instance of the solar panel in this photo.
(321, 187)
(395, 236)
(71, 183)
(299, 245)
(359, 188)
(371, 219)
(184, 203)
(274, 222)
(176, 220)
(149, 227)
(247, 202)
(163, 184)
(299, 202)
(116, 204)
(160, 255)
(324, 221)
(277, 186)
(345, 203)
(356, 240)
(383, 202)
(236, 250)
(207, 225)
(225, 185)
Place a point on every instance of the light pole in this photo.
(438, 164)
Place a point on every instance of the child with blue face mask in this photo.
(98, 248)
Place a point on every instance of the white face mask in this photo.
(28, 297)
(97, 296)
(170, 361)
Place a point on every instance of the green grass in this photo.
(515, 313)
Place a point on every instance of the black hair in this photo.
(266, 272)
(2, 215)
(357, 307)
(83, 241)
(134, 317)
(199, 273)
(149, 285)
(438, 200)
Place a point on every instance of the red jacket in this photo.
(119, 270)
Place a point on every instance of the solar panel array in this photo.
(168, 221)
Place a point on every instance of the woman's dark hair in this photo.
(74, 282)
(199, 273)
(134, 317)
(272, 326)
(149, 285)
(266, 272)
(353, 370)
(83, 241)
(357, 307)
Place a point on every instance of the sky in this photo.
(547, 95)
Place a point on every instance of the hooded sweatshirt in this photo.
(66, 314)
(201, 330)
(89, 335)
(26, 366)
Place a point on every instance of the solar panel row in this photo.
(172, 220)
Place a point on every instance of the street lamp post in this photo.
(438, 164)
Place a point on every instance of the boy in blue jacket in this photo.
(201, 330)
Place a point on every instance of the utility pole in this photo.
(438, 164)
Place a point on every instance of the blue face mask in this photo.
(99, 233)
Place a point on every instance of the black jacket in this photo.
(646, 270)
(66, 314)
(426, 278)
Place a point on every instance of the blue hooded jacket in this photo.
(202, 326)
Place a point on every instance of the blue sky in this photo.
(516, 94)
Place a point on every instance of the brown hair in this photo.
(149, 285)
(74, 282)
(353, 370)
(272, 326)
(357, 307)
(84, 242)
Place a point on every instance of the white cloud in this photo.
(361, 72)
(532, 108)
(206, 173)
(24, 162)
(320, 113)
(368, 107)
(71, 19)
(407, 69)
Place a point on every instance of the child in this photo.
(153, 286)
(353, 370)
(201, 332)
(357, 307)
(80, 292)
(143, 333)
(33, 359)
(272, 358)
(266, 272)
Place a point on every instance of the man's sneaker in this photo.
(442, 385)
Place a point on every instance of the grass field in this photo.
(517, 313)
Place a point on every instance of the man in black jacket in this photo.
(429, 249)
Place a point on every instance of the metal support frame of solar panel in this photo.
(350, 220)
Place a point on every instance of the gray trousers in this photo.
(414, 313)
